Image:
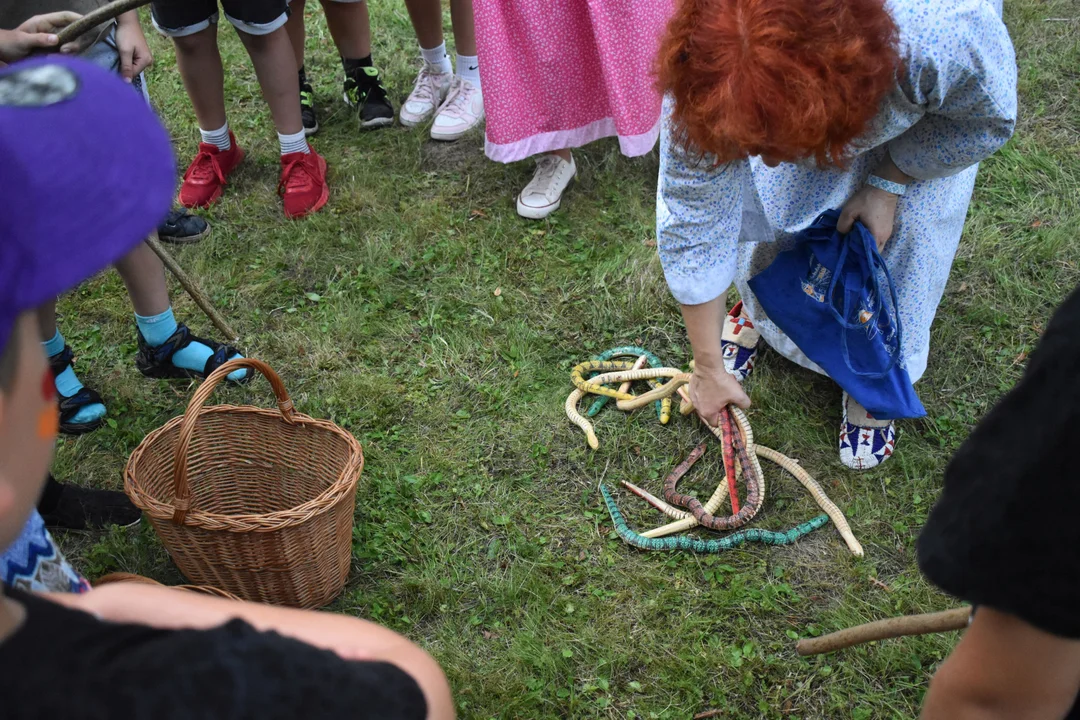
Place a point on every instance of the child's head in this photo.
(28, 424)
(80, 150)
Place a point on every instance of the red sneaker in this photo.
(303, 183)
(205, 177)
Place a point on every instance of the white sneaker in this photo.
(462, 111)
(543, 195)
(429, 92)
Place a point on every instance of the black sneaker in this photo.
(307, 108)
(74, 508)
(182, 228)
(364, 90)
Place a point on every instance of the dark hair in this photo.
(9, 360)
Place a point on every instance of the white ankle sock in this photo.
(437, 57)
(468, 68)
(297, 142)
(218, 138)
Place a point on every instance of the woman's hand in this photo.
(713, 389)
(131, 44)
(875, 208)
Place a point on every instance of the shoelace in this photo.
(545, 174)
(295, 175)
(204, 169)
(455, 103)
(427, 88)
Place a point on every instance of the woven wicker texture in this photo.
(123, 577)
(257, 502)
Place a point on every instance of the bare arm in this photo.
(351, 638)
(712, 387)
(1004, 668)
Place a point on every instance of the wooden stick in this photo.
(192, 289)
(955, 619)
(91, 20)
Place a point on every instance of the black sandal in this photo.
(70, 405)
(156, 362)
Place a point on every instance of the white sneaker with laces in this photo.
(427, 95)
(461, 112)
(543, 195)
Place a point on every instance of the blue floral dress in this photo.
(953, 105)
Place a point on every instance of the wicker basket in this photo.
(123, 577)
(257, 502)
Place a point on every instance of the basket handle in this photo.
(182, 494)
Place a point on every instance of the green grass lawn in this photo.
(419, 312)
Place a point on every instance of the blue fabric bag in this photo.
(826, 295)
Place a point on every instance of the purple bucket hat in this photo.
(78, 150)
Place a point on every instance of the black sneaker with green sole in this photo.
(365, 92)
(307, 108)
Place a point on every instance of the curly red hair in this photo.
(786, 79)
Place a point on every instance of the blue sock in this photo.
(67, 383)
(156, 329)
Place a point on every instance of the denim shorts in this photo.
(104, 54)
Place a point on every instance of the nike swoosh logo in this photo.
(473, 67)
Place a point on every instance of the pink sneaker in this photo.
(462, 111)
(428, 94)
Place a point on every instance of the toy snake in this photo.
(682, 542)
(738, 444)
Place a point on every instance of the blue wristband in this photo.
(887, 185)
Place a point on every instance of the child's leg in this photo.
(81, 409)
(426, 18)
(303, 171)
(461, 16)
(464, 106)
(297, 30)
(433, 82)
(166, 348)
(275, 66)
(192, 24)
(297, 37)
(350, 27)
(199, 62)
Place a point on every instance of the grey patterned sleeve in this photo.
(698, 219)
(961, 70)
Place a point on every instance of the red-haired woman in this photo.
(777, 110)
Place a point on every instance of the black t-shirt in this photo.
(1006, 531)
(63, 663)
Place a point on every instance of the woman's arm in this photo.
(1004, 669)
(698, 222)
(350, 638)
(965, 82)
(712, 388)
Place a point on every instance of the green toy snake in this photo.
(682, 542)
(663, 407)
